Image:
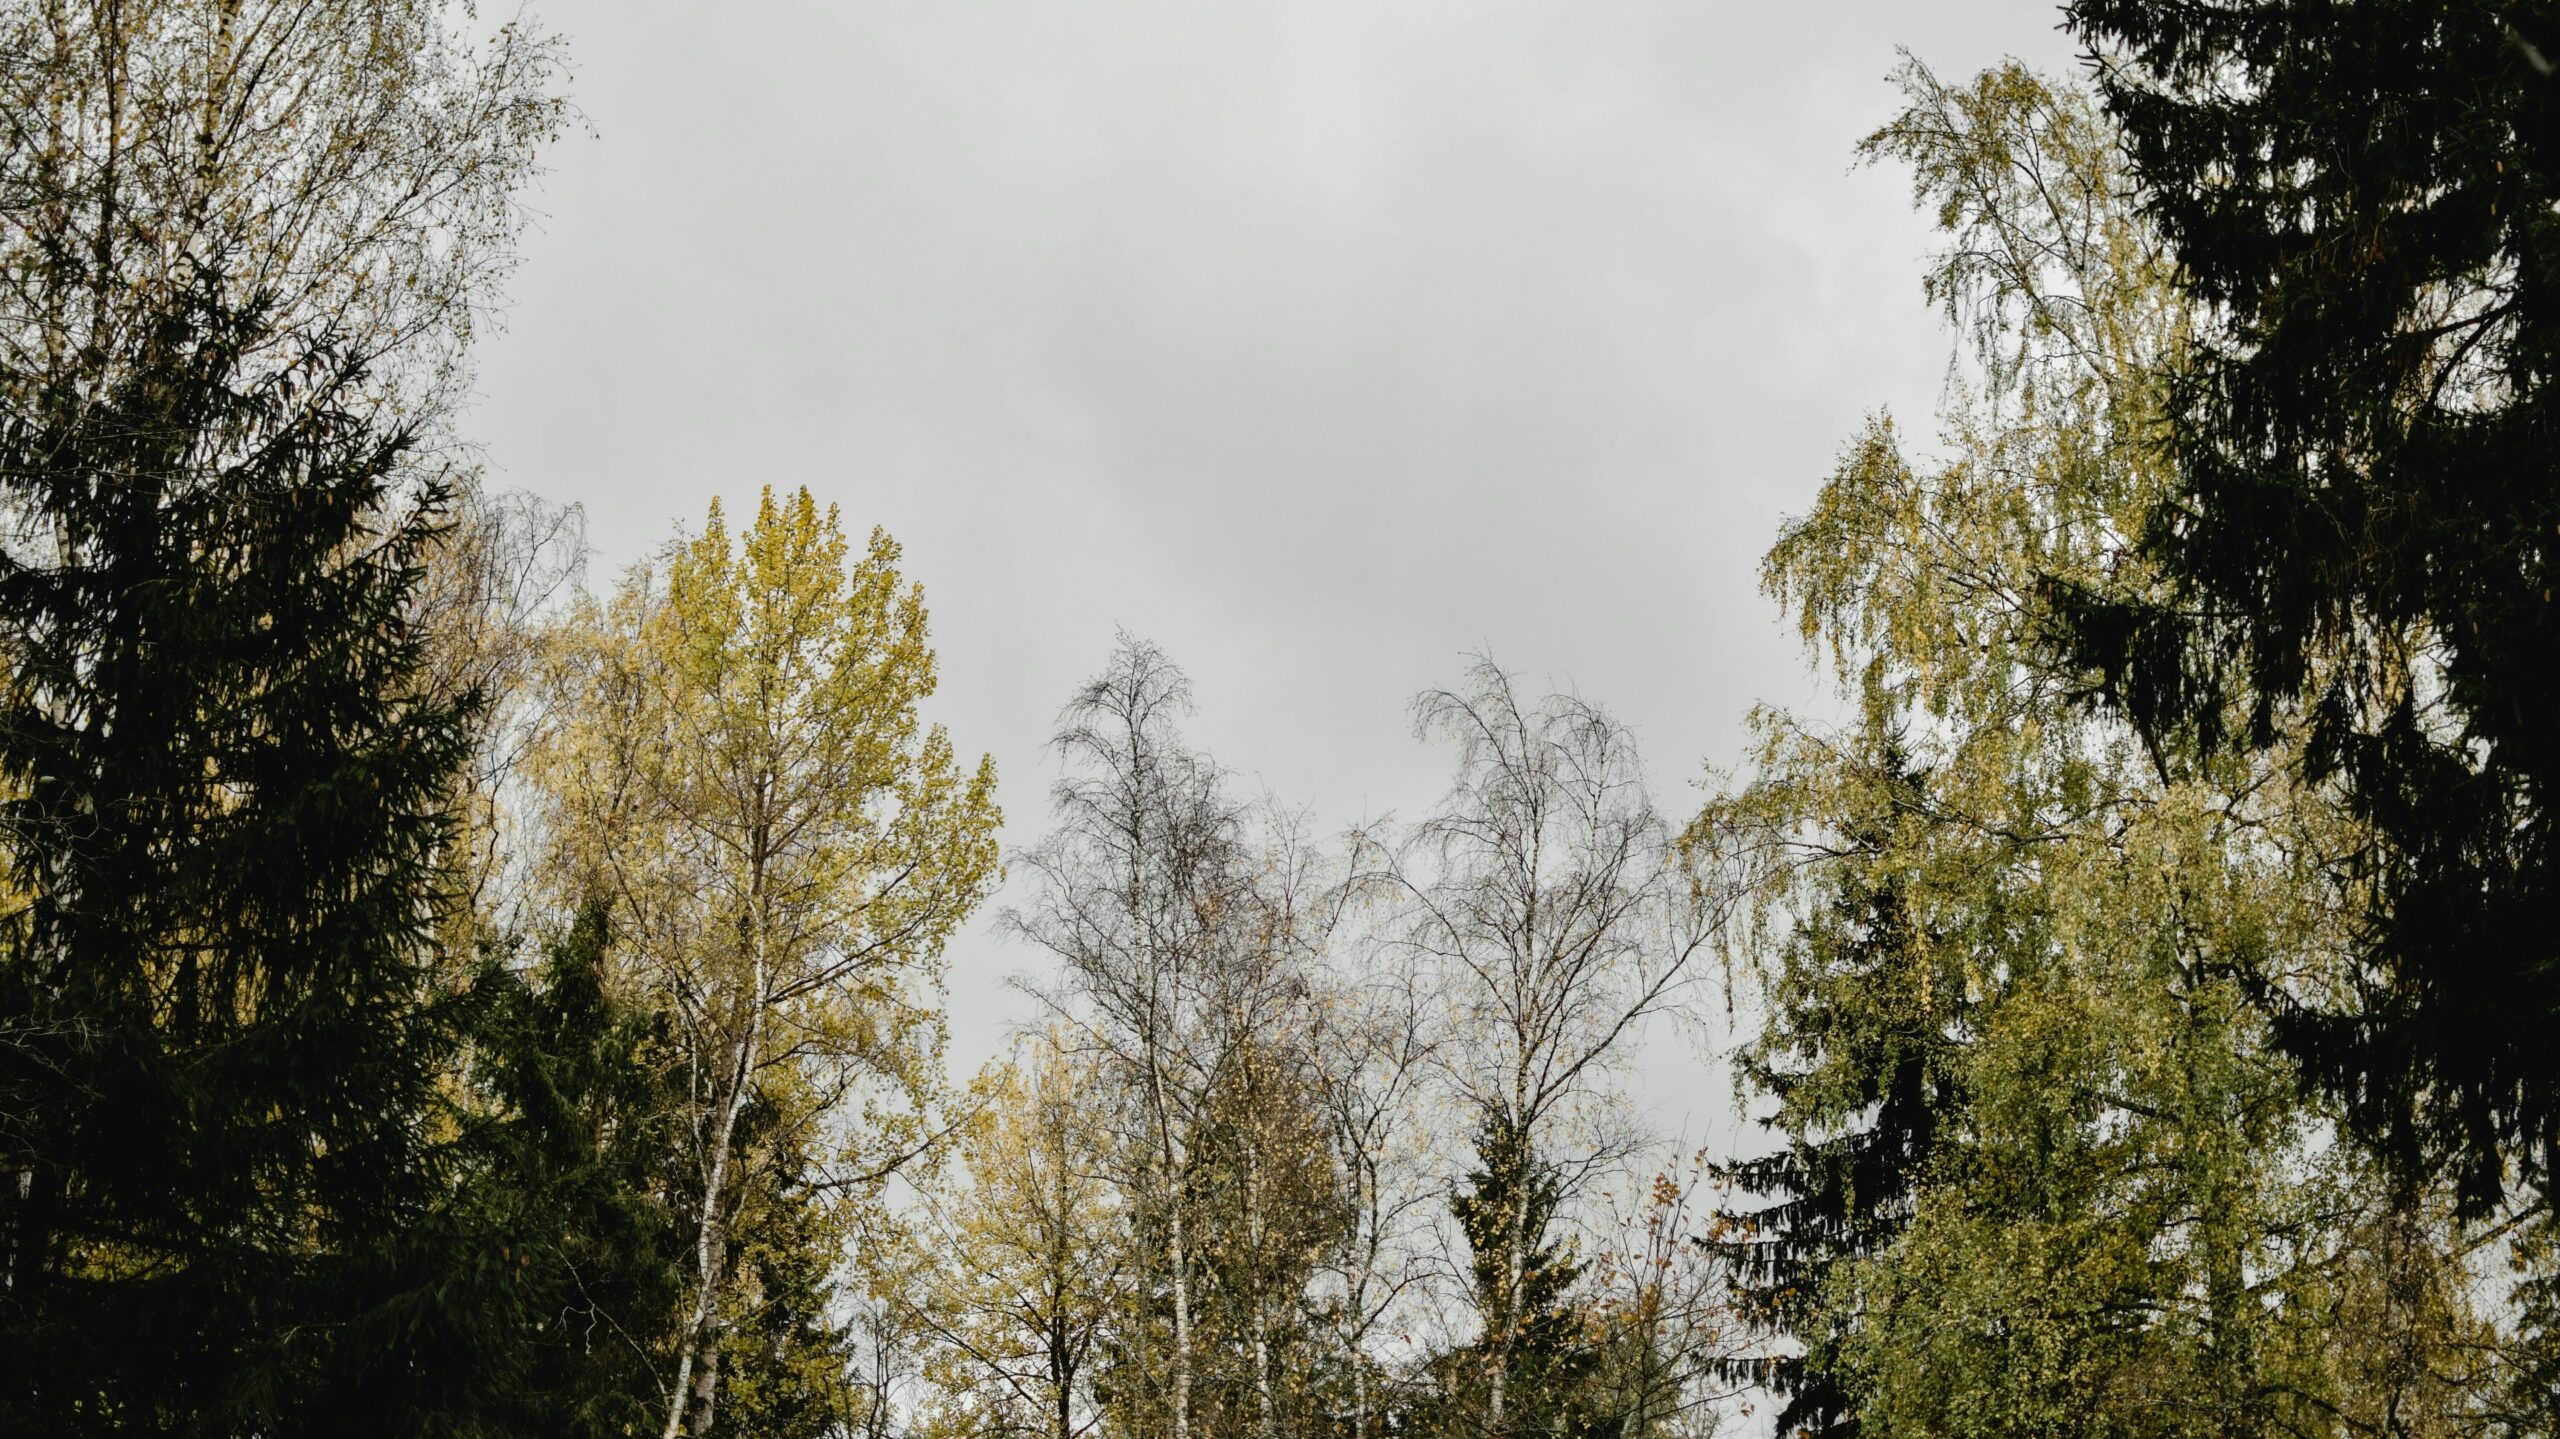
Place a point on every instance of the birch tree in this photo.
(1178, 953)
(1550, 899)
(347, 168)
(745, 772)
(1377, 1039)
(1132, 884)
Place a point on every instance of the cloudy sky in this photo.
(1320, 343)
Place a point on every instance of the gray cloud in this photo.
(1320, 343)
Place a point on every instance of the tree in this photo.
(785, 1346)
(744, 770)
(223, 1024)
(1142, 891)
(1376, 1041)
(241, 247)
(1536, 1350)
(2358, 544)
(1663, 1310)
(1559, 915)
(578, 1114)
(2045, 1171)
(495, 580)
(346, 170)
(1863, 1080)
(1275, 1206)
(1019, 1271)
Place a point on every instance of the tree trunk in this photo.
(1177, 1255)
(1056, 1301)
(1268, 1412)
(710, 1244)
(706, 1381)
(1181, 1276)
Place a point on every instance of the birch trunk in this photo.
(1254, 1230)
(710, 1243)
(1180, 1260)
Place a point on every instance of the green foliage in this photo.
(2359, 546)
(578, 1088)
(744, 768)
(1536, 1333)
(1266, 1203)
(2527, 1400)
(223, 1029)
(1267, 1175)
(786, 1354)
(1863, 1077)
(1013, 1271)
(2044, 1172)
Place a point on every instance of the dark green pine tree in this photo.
(2366, 539)
(1551, 1364)
(787, 1359)
(564, 1187)
(222, 1023)
(1857, 1056)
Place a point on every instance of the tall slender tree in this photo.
(788, 845)
(1135, 884)
(1549, 897)
(1188, 926)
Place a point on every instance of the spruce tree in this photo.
(1551, 1361)
(580, 1119)
(221, 1023)
(1858, 1058)
(788, 1353)
(2362, 200)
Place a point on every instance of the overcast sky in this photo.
(1319, 343)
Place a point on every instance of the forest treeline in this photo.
(440, 995)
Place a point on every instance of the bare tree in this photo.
(494, 585)
(1551, 901)
(1133, 888)
(1377, 1036)
(1665, 1303)
(1281, 1191)
(1183, 942)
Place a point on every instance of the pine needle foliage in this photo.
(1863, 1080)
(2361, 537)
(223, 1028)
